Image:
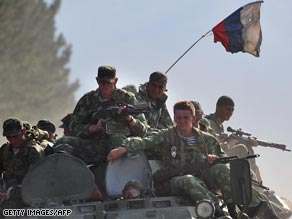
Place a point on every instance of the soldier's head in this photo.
(224, 108)
(199, 113)
(48, 126)
(14, 131)
(156, 85)
(184, 115)
(65, 124)
(133, 189)
(107, 80)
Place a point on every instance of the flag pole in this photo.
(187, 51)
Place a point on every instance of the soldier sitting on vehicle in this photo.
(183, 144)
(16, 157)
(223, 112)
(199, 113)
(100, 121)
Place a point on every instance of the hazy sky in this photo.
(139, 37)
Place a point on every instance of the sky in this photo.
(140, 37)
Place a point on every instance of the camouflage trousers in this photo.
(217, 176)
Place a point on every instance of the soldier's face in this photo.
(225, 112)
(184, 120)
(107, 88)
(16, 140)
(155, 89)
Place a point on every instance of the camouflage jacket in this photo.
(215, 126)
(158, 117)
(15, 166)
(86, 113)
(174, 148)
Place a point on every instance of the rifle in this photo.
(105, 112)
(197, 169)
(246, 139)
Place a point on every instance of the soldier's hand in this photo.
(116, 153)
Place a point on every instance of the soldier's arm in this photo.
(80, 122)
(214, 146)
(133, 144)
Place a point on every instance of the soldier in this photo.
(153, 92)
(16, 156)
(224, 111)
(199, 113)
(65, 124)
(85, 122)
(182, 144)
(101, 131)
(133, 189)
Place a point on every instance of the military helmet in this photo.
(12, 127)
(106, 73)
(158, 76)
(134, 185)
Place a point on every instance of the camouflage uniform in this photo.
(15, 161)
(176, 152)
(240, 150)
(15, 166)
(86, 113)
(158, 117)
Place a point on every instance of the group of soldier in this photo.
(101, 130)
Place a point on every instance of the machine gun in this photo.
(120, 110)
(246, 139)
(197, 169)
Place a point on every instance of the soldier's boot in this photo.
(232, 210)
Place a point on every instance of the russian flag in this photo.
(241, 31)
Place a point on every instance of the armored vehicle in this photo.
(62, 186)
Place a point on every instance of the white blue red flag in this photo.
(241, 31)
